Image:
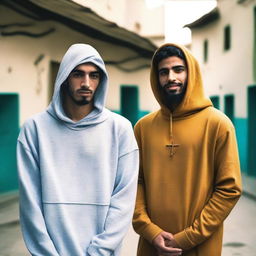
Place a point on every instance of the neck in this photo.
(76, 112)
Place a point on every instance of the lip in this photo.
(84, 92)
(172, 87)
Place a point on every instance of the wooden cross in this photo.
(172, 146)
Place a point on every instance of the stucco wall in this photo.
(19, 73)
(228, 72)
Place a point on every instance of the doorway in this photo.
(9, 129)
(130, 102)
(215, 101)
(251, 96)
(229, 106)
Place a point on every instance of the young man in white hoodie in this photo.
(77, 165)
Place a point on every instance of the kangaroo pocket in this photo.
(72, 225)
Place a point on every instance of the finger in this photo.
(167, 235)
(170, 254)
(171, 250)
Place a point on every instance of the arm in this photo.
(141, 221)
(163, 241)
(32, 222)
(226, 192)
(142, 224)
(120, 209)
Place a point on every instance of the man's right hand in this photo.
(160, 243)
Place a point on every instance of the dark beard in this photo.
(82, 102)
(171, 101)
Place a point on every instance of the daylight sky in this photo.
(178, 13)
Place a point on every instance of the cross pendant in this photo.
(172, 146)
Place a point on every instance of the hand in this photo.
(164, 243)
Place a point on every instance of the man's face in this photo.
(82, 83)
(172, 75)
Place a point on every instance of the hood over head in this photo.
(78, 54)
(194, 98)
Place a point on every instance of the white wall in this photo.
(19, 74)
(128, 13)
(228, 71)
(140, 78)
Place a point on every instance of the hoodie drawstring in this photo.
(172, 145)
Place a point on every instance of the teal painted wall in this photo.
(130, 103)
(9, 129)
(241, 125)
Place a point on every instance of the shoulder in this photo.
(146, 120)
(218, 117)
(119, 121)
(29, 128)
(122, 127)
(219, 122)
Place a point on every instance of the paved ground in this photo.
(239, 236)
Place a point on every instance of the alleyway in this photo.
(239, 236)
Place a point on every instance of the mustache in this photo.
(172, 84)
(85, 90)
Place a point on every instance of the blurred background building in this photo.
(35, 34)
(34, 37)
(224, 42)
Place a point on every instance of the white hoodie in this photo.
(77, 179)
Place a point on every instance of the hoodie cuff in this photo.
(182, 240)
(150, 232)
(94, 251)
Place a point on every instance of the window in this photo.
(205, 50)
(227, 37)
(229, 106)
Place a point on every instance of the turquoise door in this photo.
(251, 130)
(229, 106)
(215, 101)
(130, 103)
(9, 128)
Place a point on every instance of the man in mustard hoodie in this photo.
(189, 167)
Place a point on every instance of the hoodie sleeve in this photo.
(227, 191)
(121, 205)
(142, 224)
(32, 222)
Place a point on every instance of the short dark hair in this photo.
(168, 51)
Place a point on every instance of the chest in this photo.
(187, 136)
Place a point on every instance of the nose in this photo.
(86, 81)
(171, 76)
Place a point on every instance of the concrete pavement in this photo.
(239, 234)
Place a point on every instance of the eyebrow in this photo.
(177, 66)
(81, 71)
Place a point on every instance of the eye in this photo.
(163, 72)
(95, 75)
(179, 69)
(77, 74)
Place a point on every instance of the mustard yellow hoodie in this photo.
(190, 188)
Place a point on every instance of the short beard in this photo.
(171, 101)
(81, 102)
(66, 90)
